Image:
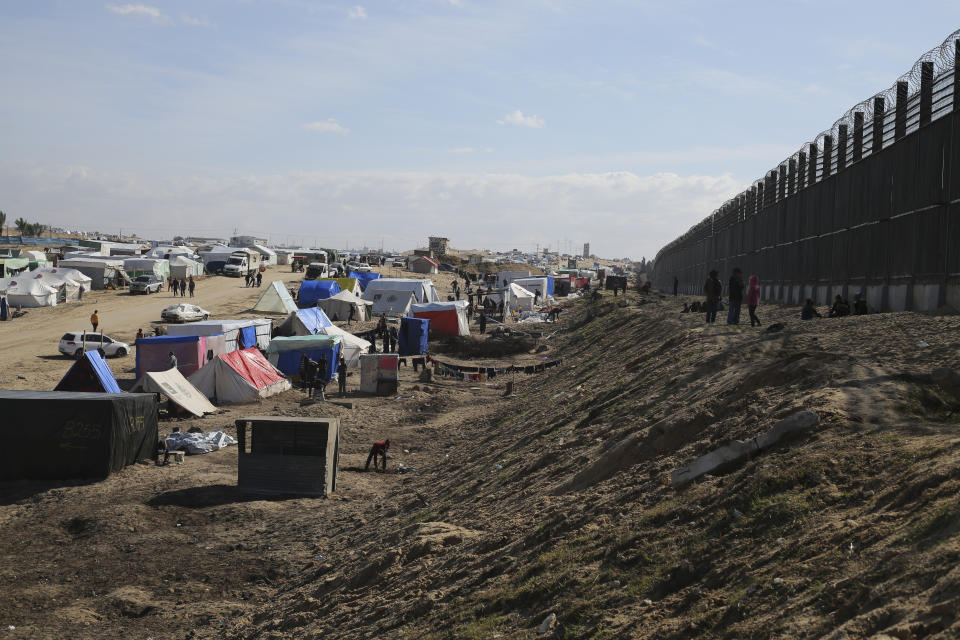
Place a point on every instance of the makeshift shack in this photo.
(378, 373)
(620, 282)
(103, 271)
(413, 338)
(422, 264)
(313, 290)
(446, 318)
(182, 268)
(192, 352)
(285, 353)
(281, 455)
(239, 377)
(58, 435)
(337, 307)
(177, 389)
(10, 266)
(276, 299)
(238, 334)
(89, 373)
(535, 284)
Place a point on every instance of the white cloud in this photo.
(357, 13)
(518, 119)
(630, 215)
(326, 126)
(136, 10)
(197, 22)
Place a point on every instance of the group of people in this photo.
(181, 286)
(736, 291)
(387, 333)
(253, 280)
(314, 376)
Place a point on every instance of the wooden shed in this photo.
(288, 455)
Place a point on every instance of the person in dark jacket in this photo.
(378, 449)
(192, 285)
(809, 311)
(483, 320)
(394, 338)
(735, 293)
(183, 288)
(342, 376)
(712, 290)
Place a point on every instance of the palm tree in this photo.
(21, 225)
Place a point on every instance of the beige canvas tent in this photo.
(178, 390)
(337, 307)
(276, 299)
(351, 346)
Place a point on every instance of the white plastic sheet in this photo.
(197, 443)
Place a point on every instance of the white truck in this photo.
(241, 262)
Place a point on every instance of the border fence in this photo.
(871, 206)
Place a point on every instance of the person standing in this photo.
(183, 288)
(735, 294)
(753, 300)
(323, 376)
(352, 314)
(80, 293)
(192, 285)
(259, 278)
(394, 339)
(712, 290)
(95, 320)
(342, 376)
(483, 320)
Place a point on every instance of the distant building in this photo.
(246, 241)
(438, 246)
(586, 250)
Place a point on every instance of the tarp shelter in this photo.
(238, 334)
(313, 290)
(519, 298)
(192, 352)
(90, 373)
(446, 318)
(304, 322)
(12, 266)
(378, 373)
(414, 334)
(178, 390)
(182, 268)
(169, 253)
(337, 307)
(239, 377)
(350, 285)
(102, 271)
(422, 264)
(285, 353)
(276, 299)
(267, 255)
(57, 435)
(26, 291)
(534, 285)
(364, 278)
(391, 303)
(147, 267)
(422, 289)
(216, 257)
(351, 346)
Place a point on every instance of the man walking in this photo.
(712, 289)
(192, 286)
(342, 376)
(95, 320)
(183, 288)
(735, 294)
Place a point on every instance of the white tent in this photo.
(392, 303)
(172, 384)
(239, 377)
(351, 346)
(519, 298)
(337, 306)
(147, 266)
(422, 290)
(28, 292)
(169, 253)
(267, 255)
(67, 282)
(276, 299)
(257, 330)
(534, 284)
(182, 267)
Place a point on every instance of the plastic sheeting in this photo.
(199, 443)
(91, 373)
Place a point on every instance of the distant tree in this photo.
(21, 225)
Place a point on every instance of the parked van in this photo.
(317, 270)
(241, 262)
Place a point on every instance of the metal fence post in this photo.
(827, 159)
(926, 92)
(858, 136)
(900, 120)
(842, 148)
(879, 110)
(812, 173)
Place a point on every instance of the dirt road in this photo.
(29, 344)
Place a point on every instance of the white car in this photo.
(75, 343)
(359, 267)
(183, 313)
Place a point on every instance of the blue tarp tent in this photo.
(89, 373)
(304, 322)
(313, 290)
(363, 278)
(285, 353)
(413, 336)
(549, 285)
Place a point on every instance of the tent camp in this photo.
(414, 334)
(182, 268)
(147, 267)
(422, 264)
(89, 373)
(276, 299)
(350, 285)
(172, 384)
(364, 278)
(285, 353)
(447, 318)
(313, 290)
(304, 322)
(238, 334)
(337, 307)
(192, 352)
(56, 435)
(239, 377)
(26, 291)
(351, 346)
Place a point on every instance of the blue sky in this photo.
(497, 124)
